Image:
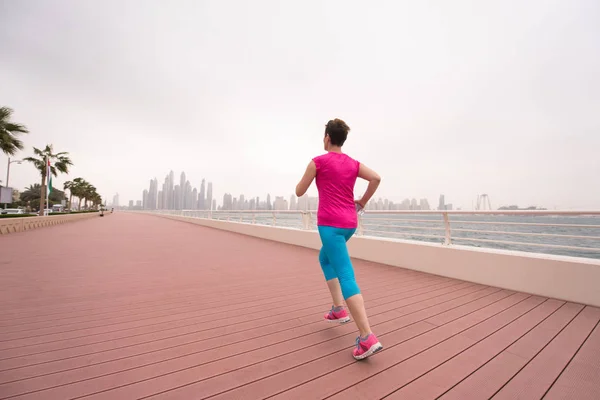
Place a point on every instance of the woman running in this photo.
(337, 220)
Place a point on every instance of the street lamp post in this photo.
(8, 172)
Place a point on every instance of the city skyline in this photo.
(172, 197)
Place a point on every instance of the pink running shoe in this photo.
(340, 316)
(366, 347)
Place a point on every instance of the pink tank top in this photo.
(336, 176)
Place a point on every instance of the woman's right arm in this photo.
(374, 179)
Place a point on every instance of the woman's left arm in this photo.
(309, 176)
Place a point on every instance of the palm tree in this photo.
(90, 193)
(78, 190)
(32, 194)
(59, 162)
(9, 131)
(68, 185)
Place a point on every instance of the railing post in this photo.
(253, 218)
(274, 219)
(448, 239)
(305, 220)
(360, 230)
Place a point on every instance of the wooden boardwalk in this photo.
(134, 306)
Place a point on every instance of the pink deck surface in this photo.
(135, 306)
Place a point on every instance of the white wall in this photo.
(565, 278)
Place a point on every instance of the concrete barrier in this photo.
(15, 225)
(566, 278)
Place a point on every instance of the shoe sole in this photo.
(377, 347)
(344, 320)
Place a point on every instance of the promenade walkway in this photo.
(136, 306)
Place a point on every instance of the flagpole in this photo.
(43, 192)
(48, 184)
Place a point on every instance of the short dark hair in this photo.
(337, 131)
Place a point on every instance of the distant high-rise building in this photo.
(269, 206)
(138, 204)
(152, 200)
(171, 189)
(165, 194)
(280, 204)
(195, 199)
(160, 200)
(293, 205)
(176, 197)
(202, 203)
(187, 197)
(209, 197)
(130, 203)
(424, 205)
(413, 204)
(214, 204)
(442, 203)
(181, 200)
(303, 203)
(227, 202)
(115, 202)
(145, 200)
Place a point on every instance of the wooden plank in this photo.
(535, 379)
(438, 378)
(487, 380)
(580, 380)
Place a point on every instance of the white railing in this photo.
(575, 233)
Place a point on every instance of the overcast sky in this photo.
(456, 97)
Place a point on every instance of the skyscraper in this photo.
(413, 204)
(152, 201)
(145, 200)
(442, 204)
(171, 191)
(202, 204)
(209, 197)
(187, 196)
(181, 202)
(269, 207)
(177, 197)
(280, 204)
(293, 202)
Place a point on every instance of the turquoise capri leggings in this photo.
(335, 260)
